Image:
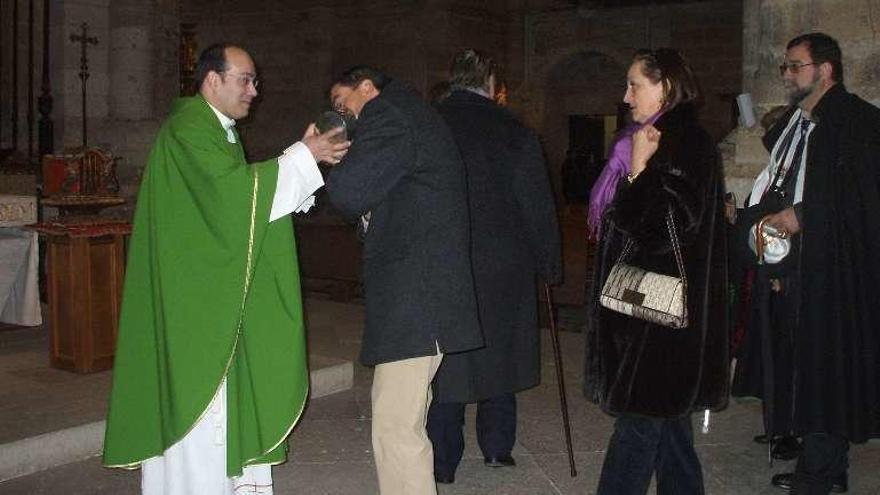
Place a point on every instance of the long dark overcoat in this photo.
(836, 336)
(514, 237)
(404, 167)
(635, 367)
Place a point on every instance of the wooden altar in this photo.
(85, 270)
(85, 259)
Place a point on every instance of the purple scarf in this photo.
(617, 167)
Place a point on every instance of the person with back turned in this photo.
(514, 241)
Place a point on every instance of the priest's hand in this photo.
(785, 221)
(325, 147)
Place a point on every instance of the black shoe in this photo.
(764, 438)
(782, 480)
(840, 483)
(786, 448)
(445, 479)
(499, 461)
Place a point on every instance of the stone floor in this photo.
(331, 452)
(36, 399)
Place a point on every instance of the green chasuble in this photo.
(211, 290)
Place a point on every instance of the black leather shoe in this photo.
(500, 461)
(840, 483)
(446, 479)
(786, 448)
(782, 480)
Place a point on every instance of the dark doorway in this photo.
(588, 137)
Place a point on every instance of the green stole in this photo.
(211, 290)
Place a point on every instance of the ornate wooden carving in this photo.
(187, 63)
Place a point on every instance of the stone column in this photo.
(142, 47)
(131, 59)
(768, 25)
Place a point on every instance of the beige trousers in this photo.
(401, 395)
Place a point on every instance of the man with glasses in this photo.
(210, 373)
(824, 177)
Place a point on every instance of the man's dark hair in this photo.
(471, 69)
(667, 66)
(822, 48)
(360, 73)
(212, 58)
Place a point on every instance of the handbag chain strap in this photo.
(679, 259)
(676, 249)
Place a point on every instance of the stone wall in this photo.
(143, 46)
(300, 46)
(576, 61)
(559, 60)
(132, 79)
(768, 25)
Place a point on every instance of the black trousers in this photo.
(641, 446)
(496, 430)
(824, 457)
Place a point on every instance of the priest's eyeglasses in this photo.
(244, 79)
(794, 67)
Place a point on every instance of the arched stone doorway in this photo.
(580, 89)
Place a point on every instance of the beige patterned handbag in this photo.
(649, 296)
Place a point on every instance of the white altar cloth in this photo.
(19, 262)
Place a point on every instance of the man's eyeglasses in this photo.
(794, 67)
(244, 79)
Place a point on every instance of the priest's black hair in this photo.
(212, 58)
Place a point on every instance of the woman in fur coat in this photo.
(649, 376)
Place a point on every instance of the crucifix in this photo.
(84, 40)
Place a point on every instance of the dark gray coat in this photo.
(514, 237)
(404, 167)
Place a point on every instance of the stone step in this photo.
(40, 452)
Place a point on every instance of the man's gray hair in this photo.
(471, 69)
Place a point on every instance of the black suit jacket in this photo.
(404, 167)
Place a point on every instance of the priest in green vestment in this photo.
(211, 348)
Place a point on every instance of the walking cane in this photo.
(554, 333)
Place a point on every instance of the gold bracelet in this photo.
(632, 177)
